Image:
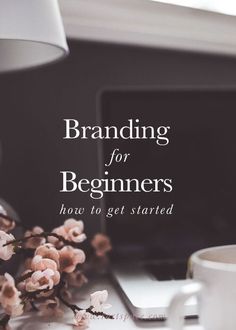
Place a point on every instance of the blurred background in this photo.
(112, 43)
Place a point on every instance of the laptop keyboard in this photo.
(165, 271)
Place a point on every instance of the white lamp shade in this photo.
(31, 33)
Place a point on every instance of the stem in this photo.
(23, 277)
(32, 295)
(45, 235)
(106, 316)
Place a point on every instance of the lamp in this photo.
(31, 34)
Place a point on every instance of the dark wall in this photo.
(33, 104)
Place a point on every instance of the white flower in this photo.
(70, 258)
(74, 230)
(75, 235)
(41, 280)
(7, 251)
(81, 320)
(10, 296)
(98, 300)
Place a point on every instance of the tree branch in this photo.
(75, 308)
(45, 235)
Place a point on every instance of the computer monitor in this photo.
(200, 159)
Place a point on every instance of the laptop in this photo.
(154, 233)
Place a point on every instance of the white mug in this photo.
(214, 284)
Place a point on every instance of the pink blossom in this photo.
(7, 251)
(98, 300)
(34, 242)
(6, 224)
(10, 296)
(43, 279)
(60, 231)
(15, 310)
(48, 251)
(81, 320)
(70, 258)
(74, 230)
(71, 230)
(77, 279)
(45, 276)
(40, 263)
(102, 244)
(51, 307)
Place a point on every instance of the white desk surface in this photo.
(32, 321)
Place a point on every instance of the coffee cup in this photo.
(213, 273)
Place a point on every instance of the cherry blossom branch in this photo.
(75, 308)
(47, 271)
(44, 235)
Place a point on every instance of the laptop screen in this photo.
(196, 208)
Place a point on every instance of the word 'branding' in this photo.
(132, 131)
